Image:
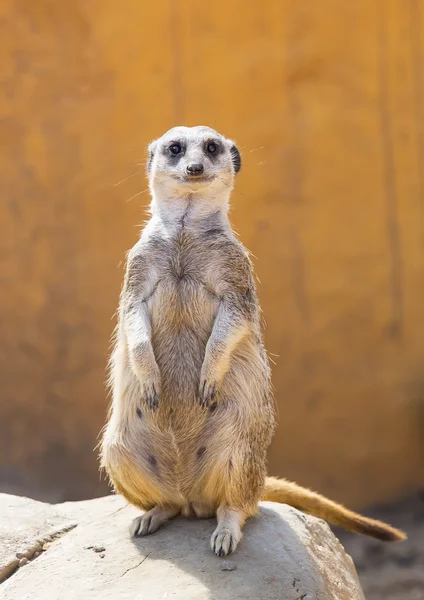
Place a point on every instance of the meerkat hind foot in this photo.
(227, 535)
(225, 540)
(152, 520)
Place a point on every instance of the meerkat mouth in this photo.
(195, 179)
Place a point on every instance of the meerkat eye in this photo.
(212, 148)
(175, 149)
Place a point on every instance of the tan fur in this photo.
(280, 490)
(192, 413)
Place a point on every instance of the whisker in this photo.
(255, 149)
(229, 186)
(255, 164)
(126, 178)
(225, 183)
(137, 194)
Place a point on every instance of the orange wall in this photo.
(326, 101)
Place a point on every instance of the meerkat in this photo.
(192, 413)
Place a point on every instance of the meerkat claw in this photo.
(207, 394)
(222, 543)
(151, 398)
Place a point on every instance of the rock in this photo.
(226, 565)
(23, 561)
(25, 526)
(284, 555)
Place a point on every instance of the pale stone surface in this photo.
(283, 555)
(25, 525)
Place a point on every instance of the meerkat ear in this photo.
(236, 158)
(151, 150)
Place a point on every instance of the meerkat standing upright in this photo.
(192, 412)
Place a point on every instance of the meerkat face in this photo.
(192, 159)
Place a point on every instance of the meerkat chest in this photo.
(188, 260)
(183, 296)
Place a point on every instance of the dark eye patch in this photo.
(212, 148)
(175, 148)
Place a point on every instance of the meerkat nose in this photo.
(194, 169)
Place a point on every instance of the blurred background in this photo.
(326, 103)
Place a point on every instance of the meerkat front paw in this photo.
(207, 392)
(211, 376)
(150, 387)
(151, 394)
(146, 369)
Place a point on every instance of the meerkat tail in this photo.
(286, 492)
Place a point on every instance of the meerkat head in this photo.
(192, 161)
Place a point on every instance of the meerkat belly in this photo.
(182, 314)
(182, 317)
